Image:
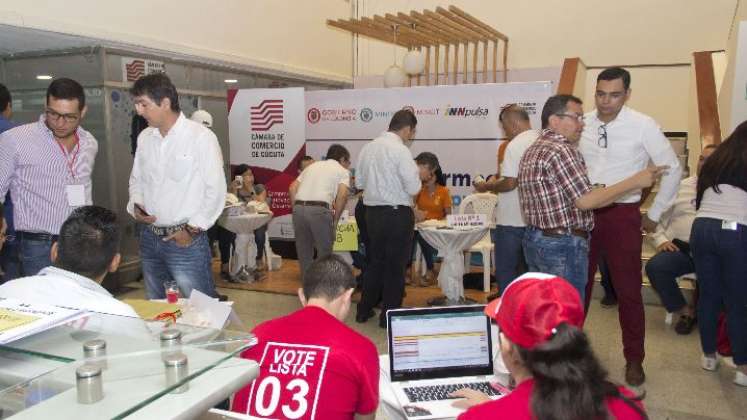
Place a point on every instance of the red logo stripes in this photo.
(268, 113)
(135, 70)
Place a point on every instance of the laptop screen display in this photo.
(439, 342)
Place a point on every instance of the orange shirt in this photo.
(434, 205)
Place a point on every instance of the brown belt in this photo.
(312, 203)
(563, 231)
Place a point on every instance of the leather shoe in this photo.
(684, 325)
(634, 375)
(362, 318)
(608, 301)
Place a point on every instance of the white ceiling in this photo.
(14, 40)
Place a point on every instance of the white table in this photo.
(451, 244)
(244, 225)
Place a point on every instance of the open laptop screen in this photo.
(439, 343)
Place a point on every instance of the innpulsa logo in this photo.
(465, 112)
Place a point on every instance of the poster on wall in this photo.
(457, 123)
(135, 68)
(266, 131)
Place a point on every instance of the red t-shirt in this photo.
(312, 366)
(516, 406)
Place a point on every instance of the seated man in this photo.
(673, 257)
(313, 366)
(86, 251)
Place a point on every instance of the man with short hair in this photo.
(312, 365)
(46, 165)
(616, 143)
(388, 176)
(509, 229)
(87, 250)
(305, 162)
(319, 196)
(177, 188)
(557, 197)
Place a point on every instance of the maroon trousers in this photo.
(617, 238)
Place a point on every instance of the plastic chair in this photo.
(481, 203)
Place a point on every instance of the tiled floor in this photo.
(676, 386)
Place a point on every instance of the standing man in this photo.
(509, 228)
(557, 197)
(387, 174)
(177, 189)
(46, 165)
(616, 143)
(9, 253)
(319, 196)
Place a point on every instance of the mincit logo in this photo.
(366, 114)
(478, 112)
(313, 115)
(268, 113)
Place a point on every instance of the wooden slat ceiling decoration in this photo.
(447, 30)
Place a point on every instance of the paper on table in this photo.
(45, 317)
(11, 319)
(211, 312)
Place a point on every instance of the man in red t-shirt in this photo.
(313, 366)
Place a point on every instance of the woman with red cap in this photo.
(540, 318)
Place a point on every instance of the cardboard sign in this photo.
(466, 221)
(346, 238)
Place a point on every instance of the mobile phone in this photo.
(240, 180)
(142, 210)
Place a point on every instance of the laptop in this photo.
(435, 351)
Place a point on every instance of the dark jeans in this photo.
(390, 230)
(662, 271)
(564, 255)
(429, 252)
(164, 261)
(9, 261)
(721, 266)
(33, 256)
(509, 254)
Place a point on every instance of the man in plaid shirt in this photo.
(557, 197)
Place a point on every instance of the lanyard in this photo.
(71, 163)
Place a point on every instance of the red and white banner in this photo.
(267, 131)
(135, 68)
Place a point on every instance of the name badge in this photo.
(76, 195)
(727, 225)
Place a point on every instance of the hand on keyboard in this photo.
(471, 397)
(447, 391)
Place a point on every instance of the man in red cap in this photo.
(540, 317)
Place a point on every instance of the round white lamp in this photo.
(394, 76)
(414, 62)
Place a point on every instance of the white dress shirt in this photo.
(676, 222)
(179, 178)
(386, 172)
(632, 140)
(320, 181)
(509, 209)
(58, 287)
(730, 204)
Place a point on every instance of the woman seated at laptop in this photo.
(432, 202)
(550, 358)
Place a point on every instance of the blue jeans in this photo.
(163, 261)
(429, 252)
(33, 256)
(566, 256)
(721, 267)
(662, 271)
(509, 256)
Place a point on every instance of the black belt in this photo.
(166, 230)
(389, 207)
(312, 203)
(555, 232)
(36, 236)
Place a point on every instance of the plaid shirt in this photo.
(552, 176)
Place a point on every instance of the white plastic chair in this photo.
(481, 203)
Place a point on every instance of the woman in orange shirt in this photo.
(432, 202)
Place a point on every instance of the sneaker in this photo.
(709, 363)
(740, 378)
(634, 374)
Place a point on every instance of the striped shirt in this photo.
(36, 171)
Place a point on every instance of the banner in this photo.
(135, 68)
(457, 123)
(266, 131)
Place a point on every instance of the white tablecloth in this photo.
(451, 244)
(243, 226)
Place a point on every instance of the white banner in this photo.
(135, 68)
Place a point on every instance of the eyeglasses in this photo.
(577, 117)
(54, 115)
(602, 141)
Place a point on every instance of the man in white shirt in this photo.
(319, 196)
(86, 251)
(177, 188)
(617, 142)
(673, 258)
(509, 229)
(388, 176)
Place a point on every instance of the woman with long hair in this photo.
(557, 374)
(719, 245)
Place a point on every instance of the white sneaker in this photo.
(740, 378)
(709, 363)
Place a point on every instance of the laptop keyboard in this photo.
(441, 392)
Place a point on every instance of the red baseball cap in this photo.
(533, 305)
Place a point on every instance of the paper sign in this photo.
(475, 220)
(10, 319)
(346, 238)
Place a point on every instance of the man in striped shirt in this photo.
(47, 167)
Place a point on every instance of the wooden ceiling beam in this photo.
(453, 26)
(465, 23)
(346, 26)
(477, 22)
(438, 38)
